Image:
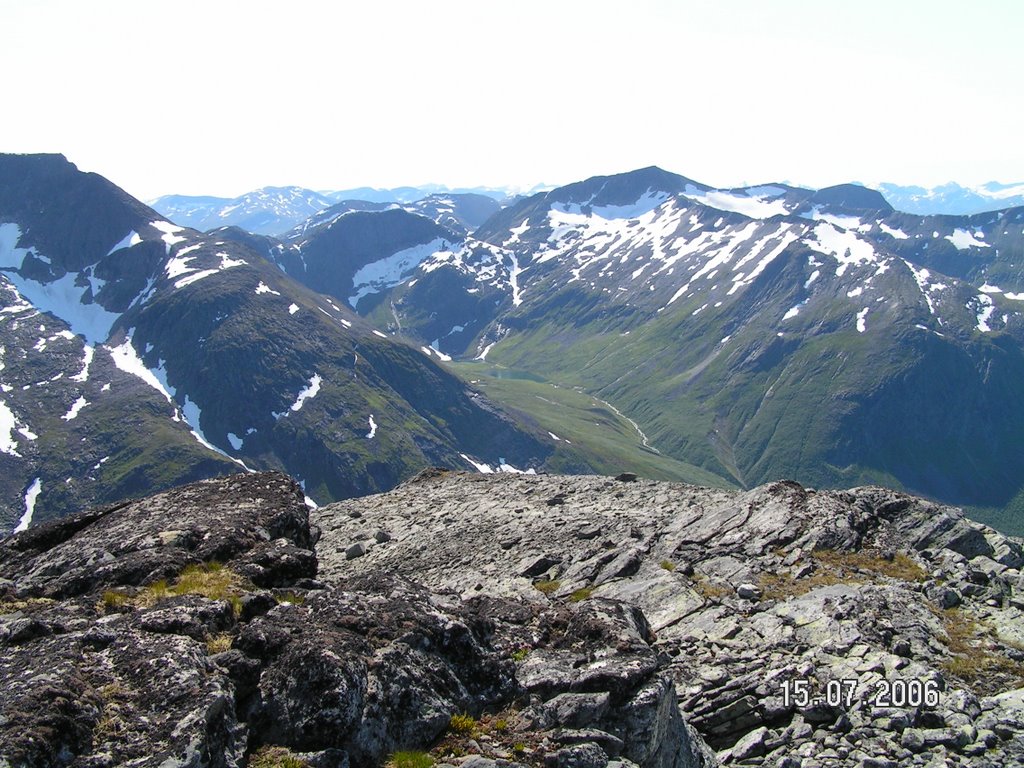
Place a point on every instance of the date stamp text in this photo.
(799, 692)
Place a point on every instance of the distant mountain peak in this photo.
(852, 197)
(953, 198)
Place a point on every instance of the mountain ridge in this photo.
(761, 297)
(243, 366)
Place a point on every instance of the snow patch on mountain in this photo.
(308, 392)
(985, 310)
(129, 240)
(8, 423)
(721, 257)
(755, 203)
(392, 270)
(170, 234)
(842, 245)
(433, 350)
(899, 234)
(76, 407)
(11, 256)
(127, 359)
(793, 311)
(192, 415)
(87, 355)
(963, 240)
(179, 266)
(842, 221)
(264, 288)
(63, 298)
(787, 239)
(478, 465)
(922, 277)
(31, 494)
(513, 280)
(862, 320)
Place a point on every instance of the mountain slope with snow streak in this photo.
(169, 355)
(760, 333)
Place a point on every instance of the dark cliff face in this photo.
(73, 218)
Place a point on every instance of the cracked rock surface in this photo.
(192, 628)
(799, 628)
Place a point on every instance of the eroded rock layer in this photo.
(190, 629)
(800, 628)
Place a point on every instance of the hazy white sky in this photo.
(220, 97)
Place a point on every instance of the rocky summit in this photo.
(483, 621)
(798, 628)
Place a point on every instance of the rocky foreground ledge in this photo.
(512, 621)
(799, 628)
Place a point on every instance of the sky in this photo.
(221, 97)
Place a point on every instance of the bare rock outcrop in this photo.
(192, 629)
(800, 628)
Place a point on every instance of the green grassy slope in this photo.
(592, 436)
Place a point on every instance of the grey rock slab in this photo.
(141, 541)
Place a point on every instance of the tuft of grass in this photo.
(547, 586)
(668, 565)
(581, 594)
(276, 757)
(210, 580)
(519, 748)
(835, 567)
(410, 759)
(153, 593)
(870, 561)
(778, 586)
(463, 724)
(973, 661)
(218, 643)
(111, 726)
(113, 600)
(707, 589)
(519, 654)
(501, 725)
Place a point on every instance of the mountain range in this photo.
(953, 198)
(756, 333)
(138, 354)
(275, 210)
(640, 321)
